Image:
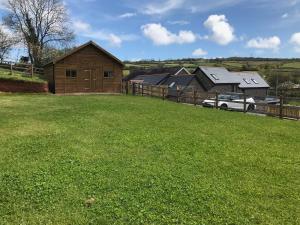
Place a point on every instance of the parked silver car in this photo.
(231, 101)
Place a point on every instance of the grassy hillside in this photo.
(145, 161)
(6, 74)
(230, 64)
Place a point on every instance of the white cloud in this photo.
(115, 40)
(3, 4)
(222, 31)
(161, 36)
(8, 31)
(84, 29)
(135, 60)
(284, 16)
(204, 5)
(179, 22)
(265, 43)
(162, 7)
(293, 2)
(81, 26)
(199, 52)
(127, 15)
(295, 40)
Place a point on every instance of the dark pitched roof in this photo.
(251, 80)
(154, 79)
(219, 75)
(152, 71)
(83, 46)
(183, 80)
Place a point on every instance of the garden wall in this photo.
(18, 86)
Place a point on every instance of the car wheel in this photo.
(251, 107)
(224, 107)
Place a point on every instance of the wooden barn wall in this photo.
(90, 64)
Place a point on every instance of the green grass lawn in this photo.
(296, 103)
(6, 74)
(145, 161)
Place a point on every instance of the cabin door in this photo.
(89, 80)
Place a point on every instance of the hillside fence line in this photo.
(28, 69)
(280, 109)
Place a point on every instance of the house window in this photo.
(108, 74)
(254, 81)
(215, 76)
(72, 74)
(247, 81)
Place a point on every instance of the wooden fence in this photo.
(27, 69)
(196, 97)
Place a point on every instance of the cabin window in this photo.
(254, 81)
(72, 74)
(108, 74)
(215, 77)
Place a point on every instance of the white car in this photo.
(231, 101)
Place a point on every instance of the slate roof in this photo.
(153, 71)
(251, 80)
(245, 79)
(183, 80)
(154, 79)
(219, 75)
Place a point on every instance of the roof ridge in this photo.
(83, 46)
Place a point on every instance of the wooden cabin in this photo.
(87, 69)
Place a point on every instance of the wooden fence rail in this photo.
(27, 69)
(196, 97)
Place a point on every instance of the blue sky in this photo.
(170, 29)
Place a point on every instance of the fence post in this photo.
(195, 97)
(133, 89)
(32, 70)
(245, 103)
(163, 93)
(126, 87)
(177, 94)
(142, 89)
(151, 91)
(281, 107)
(11, 69)
(217, 100)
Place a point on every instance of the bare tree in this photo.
(6, 43)
(40, 23)
(51, 53)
